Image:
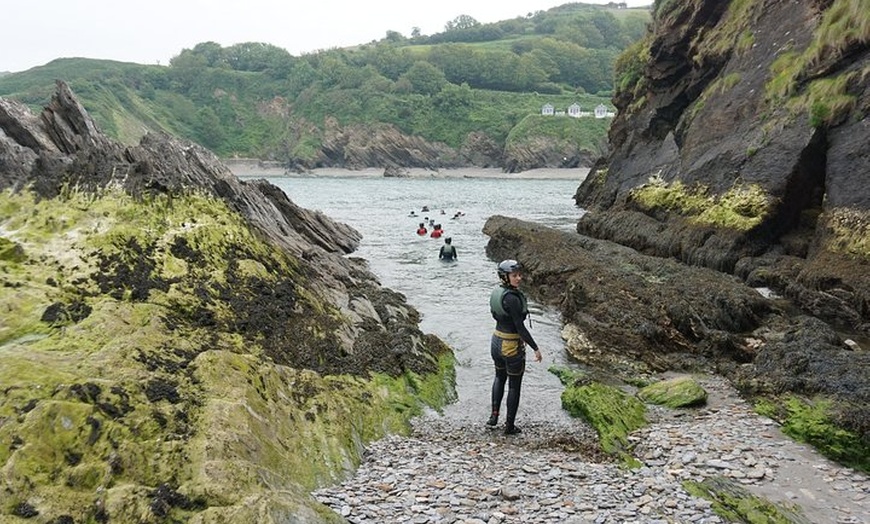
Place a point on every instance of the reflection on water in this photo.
(453, 298)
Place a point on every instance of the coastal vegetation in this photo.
(796, 76)
(256, 100)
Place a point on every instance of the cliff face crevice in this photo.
(758, 107)
(672, 70)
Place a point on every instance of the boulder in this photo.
(633, 315)
(677, 392)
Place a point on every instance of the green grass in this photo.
(846, 23)
(732, 33)
(585, 132)
(827, 100)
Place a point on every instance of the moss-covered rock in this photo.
(740, 208)
(178, 345)
(678, 392)
(815, 421)
(736, 504)
(567, 376)
(163, 362)
(10, 251)
(611, 411)
(637, 316)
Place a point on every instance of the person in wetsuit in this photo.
(447, 252)
(508, 344)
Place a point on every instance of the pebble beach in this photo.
(454, 472)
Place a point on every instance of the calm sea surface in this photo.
(453, 298)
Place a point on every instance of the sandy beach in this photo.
(247, 168)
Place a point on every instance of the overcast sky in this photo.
(153, 31)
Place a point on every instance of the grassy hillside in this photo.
(257, 100)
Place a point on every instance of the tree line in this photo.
(256, 99)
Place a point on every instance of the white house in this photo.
(575, 111)
(601, 111)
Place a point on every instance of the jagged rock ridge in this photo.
(178, 344)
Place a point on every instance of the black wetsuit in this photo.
(448, 252)
(508, 349)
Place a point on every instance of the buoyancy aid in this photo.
(447, 252)
(496, 305)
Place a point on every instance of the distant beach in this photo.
(251, 168)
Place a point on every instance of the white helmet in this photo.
(506, 267)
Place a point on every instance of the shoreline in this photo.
(252, 169)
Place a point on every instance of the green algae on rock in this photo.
(735, 503)
(814, 421)
(678, 392)
(740, 208)
(161, 358)
(637, 315)
(612, 412)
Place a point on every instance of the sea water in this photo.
(452, 297)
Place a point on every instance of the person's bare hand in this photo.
(538, 356)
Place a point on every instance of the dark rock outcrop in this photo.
(634, 314)
(63, 148)
(361, 146)
(765, 96)
(544, 152)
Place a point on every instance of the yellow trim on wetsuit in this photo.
(511, 343)
(506, 336)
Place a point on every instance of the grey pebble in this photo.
(455, 472)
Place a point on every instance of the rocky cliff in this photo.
(739, 159)
(741, 144)
(178, 345)
(382, 145)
